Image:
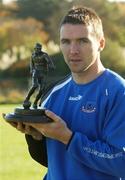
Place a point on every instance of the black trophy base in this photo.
(27, 115)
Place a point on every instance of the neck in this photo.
(90, 74)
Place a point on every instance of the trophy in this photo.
(30, 112)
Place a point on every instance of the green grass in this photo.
(15, 161)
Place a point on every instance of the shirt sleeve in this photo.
(107, 154)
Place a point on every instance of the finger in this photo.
(33, 125)
(52, 115)
(39, 127)
(20, 127)
(27, 129)
(14, 124)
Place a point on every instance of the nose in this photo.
(74, 48)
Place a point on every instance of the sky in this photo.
(7, 1)
(117, 0)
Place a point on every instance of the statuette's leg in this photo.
(37, 98)
(27, 103)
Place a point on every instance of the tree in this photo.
(19, 33)
(38, 9)
(113, 57)
(47, 11)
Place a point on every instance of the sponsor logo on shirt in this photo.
(89, 107)
(76, 98)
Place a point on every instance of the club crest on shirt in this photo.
(89, 107)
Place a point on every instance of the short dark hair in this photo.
(85, 16)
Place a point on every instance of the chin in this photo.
(76, 71)
(79, 71)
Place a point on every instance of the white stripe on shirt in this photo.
(56, 88)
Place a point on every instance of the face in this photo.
(37, 49)
(80, 47)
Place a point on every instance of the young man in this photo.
(86, 139)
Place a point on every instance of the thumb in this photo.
(52, 115)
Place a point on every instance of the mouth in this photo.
(75, 61)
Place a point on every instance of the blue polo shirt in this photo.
(95, 112)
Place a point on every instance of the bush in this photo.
(113, 57)
(12, 97)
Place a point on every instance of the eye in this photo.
(65, 41)
(83, 40)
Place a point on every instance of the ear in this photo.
(101, 44)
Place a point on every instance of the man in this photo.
(86, 139)
(40, 64)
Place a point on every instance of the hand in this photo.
(25, 128)
(56, 130)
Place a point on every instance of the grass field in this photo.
(15, 161)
